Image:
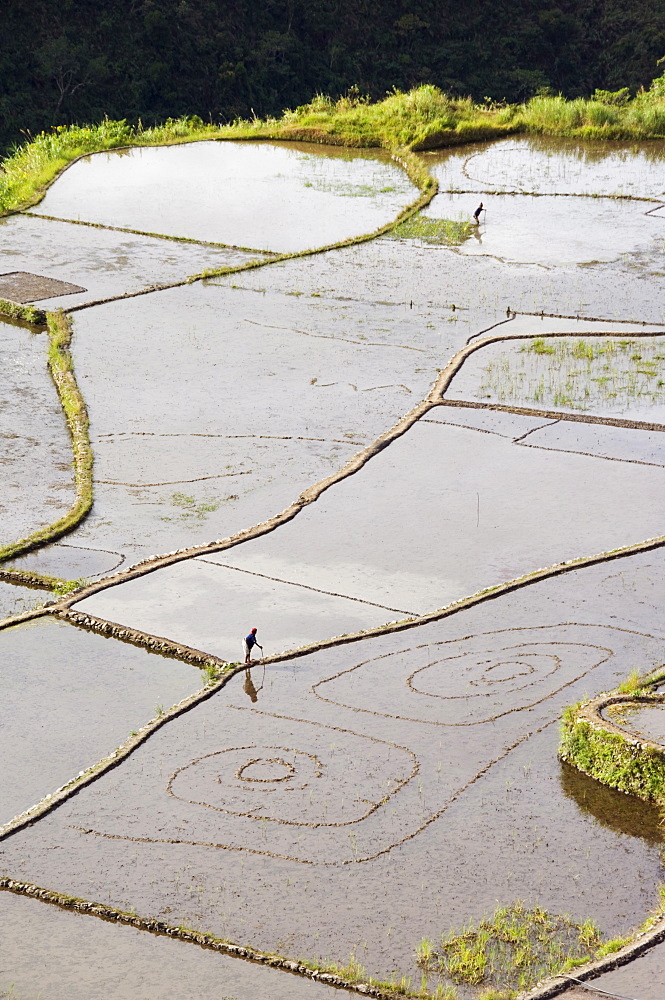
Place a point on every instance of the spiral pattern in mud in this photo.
(474, 679)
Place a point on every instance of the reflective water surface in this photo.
(249, 194)
(352, 801)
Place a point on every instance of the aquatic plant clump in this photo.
(439, 232)
(578, 373)
(511, 950)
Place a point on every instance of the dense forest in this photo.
(64, 61)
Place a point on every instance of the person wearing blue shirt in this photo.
(248, 644)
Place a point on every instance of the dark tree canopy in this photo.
(78, 60)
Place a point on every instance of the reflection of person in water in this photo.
(248, 686)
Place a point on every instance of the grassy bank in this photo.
(628, 764)
(32, 167)
(30, 315)
(424, 118)
(62, 373)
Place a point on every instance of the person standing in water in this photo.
(248, 644)
(476, 214)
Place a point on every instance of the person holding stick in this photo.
(476, 214)
(248, 644)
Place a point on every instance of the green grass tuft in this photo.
(510, 951)
(62, 372)
(441, 232)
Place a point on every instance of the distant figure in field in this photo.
(248, 644)
(476, 214)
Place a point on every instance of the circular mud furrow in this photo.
(262, 852)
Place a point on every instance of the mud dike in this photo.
(345, 765)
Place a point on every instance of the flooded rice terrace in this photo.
(354, 451)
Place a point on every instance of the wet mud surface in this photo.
(36, 483)
(644, 721)
(20, 286)
(69, 698)
(345, 802)
(69, 956)
(249, 194)
(357, 774)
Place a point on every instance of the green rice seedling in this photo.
(64, 587)
(511, 950)
(539, 346)
(577, 373)
(632, 684)
(442, 992)
(211, 673)
(424, 952)
(439, 232)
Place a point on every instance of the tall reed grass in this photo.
(28, 171)
(423, 118)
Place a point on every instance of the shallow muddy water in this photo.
(358, 799)
(622, 377)
(15, 600)
(63, 955)
(70, 697)
(250, 194)
(36, 485)
(643, 978)
(441, 513)
(213, 408)
(415, 276)
(377, 759)
(551, 231)
(548, 165)
(619, 444)
(69, 562)
(209, 606)
(644, 721)
(104, 262)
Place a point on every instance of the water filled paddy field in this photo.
(343, 803)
